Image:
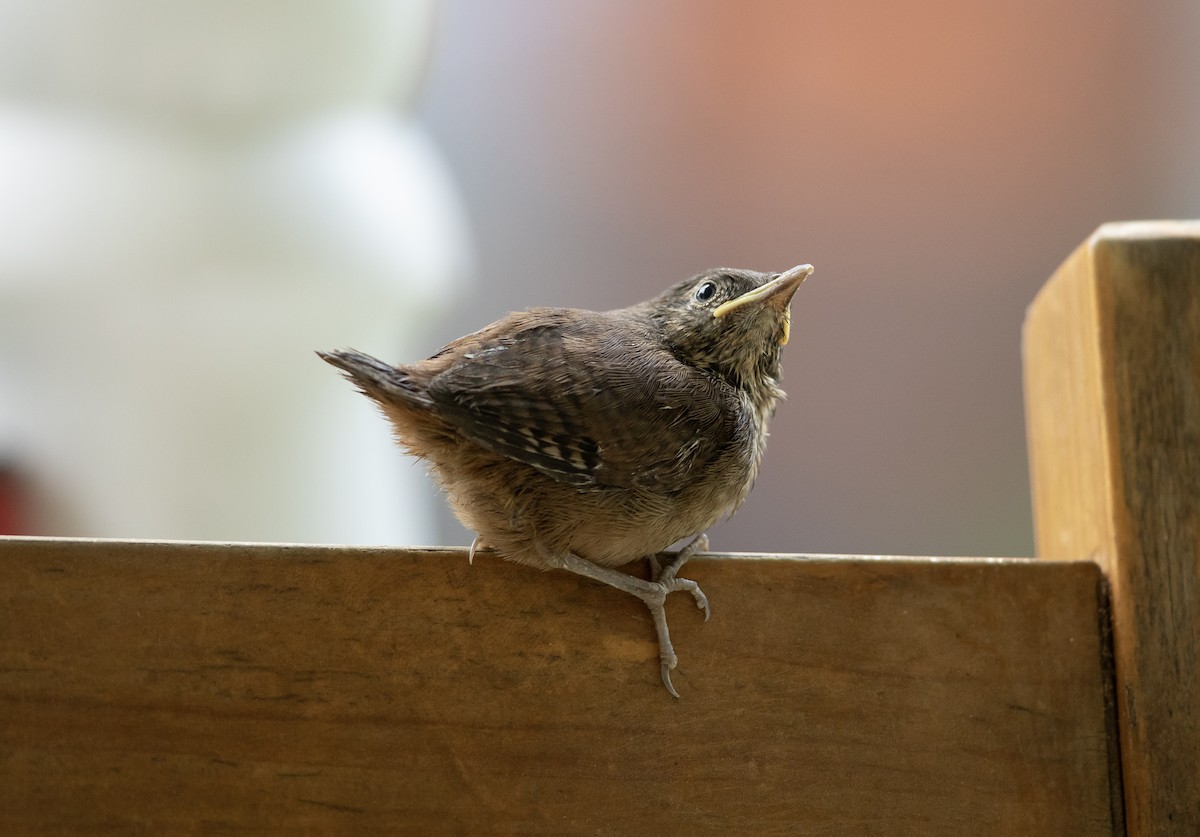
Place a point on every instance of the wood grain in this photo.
(1112, 370)
(167, 688)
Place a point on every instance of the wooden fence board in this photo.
(167, 687)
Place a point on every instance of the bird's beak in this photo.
(777, 293)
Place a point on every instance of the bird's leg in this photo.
(667, 573)
(652, 593)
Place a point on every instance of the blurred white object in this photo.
(194, 197)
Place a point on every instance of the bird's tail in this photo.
(377, 380)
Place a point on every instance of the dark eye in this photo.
(705, 291)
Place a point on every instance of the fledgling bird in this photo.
(584, 440)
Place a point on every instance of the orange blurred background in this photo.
(934, 160)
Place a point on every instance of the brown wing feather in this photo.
(568, 396)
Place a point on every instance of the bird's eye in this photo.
(705, 291)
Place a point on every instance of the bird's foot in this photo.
(652, 593)
(666, 574)
(655, 601)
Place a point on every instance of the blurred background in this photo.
(196, 196)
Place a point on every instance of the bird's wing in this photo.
(588, 400)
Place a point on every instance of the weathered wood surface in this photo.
(1112, 370)
(166, 688)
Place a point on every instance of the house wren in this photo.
(584, 440)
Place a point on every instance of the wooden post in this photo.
(1112, 372)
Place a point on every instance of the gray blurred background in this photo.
(934, 160)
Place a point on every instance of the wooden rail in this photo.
(274, 688)
(158, 688)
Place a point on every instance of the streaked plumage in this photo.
(562, 434)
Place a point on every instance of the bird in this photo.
(586, 440)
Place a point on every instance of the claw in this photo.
(693, 588)
(666, 676)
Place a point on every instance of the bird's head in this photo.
(731, 322)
